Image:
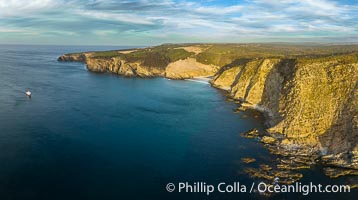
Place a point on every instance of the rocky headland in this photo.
(308, 94)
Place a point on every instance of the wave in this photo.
(199, 80)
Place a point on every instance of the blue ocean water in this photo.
(84, 135)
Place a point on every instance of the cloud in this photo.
(11, 8)
(122, 17)
(5, 30)
(170, 20)
(219, 10)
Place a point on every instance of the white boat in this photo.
(28, 93)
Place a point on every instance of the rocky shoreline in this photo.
(309, 103)
(290, 160)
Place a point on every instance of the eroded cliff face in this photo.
(188, 68)
(309, 103)
(119, 66)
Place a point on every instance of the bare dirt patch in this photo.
(194, 49)
(127, 51)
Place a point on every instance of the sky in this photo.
(151, 22)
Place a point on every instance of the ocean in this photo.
(87, 136)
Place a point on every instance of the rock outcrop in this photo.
(74, 57)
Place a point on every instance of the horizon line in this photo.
(186, 43)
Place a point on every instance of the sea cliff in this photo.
(308, 94)
(173, 63)
(310, 104)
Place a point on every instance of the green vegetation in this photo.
(159, 56)
(225, 54)
(339, 59)
(105, 54)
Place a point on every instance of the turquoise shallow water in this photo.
(99, 136)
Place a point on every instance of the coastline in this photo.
(263, 84)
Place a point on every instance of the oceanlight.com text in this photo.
(237, 187)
